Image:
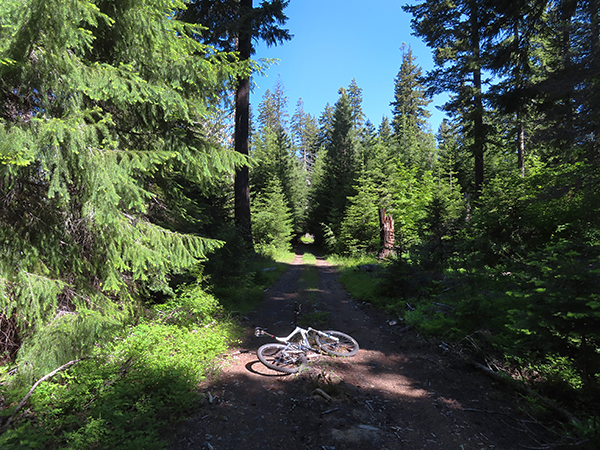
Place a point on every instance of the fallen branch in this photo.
(37, 383)
(520, 387)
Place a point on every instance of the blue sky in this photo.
(338, 40)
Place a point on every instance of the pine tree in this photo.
(452, 167)
(359, 232)
(276, 157)
(409, 115)
(271, 219)
(335, 168)
(459, 33)
(341, 160)
(272, 111)
(97, 97)
(355, 97)
(233, 25)
(409, 108)
(304, 136)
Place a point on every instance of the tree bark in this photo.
(386, 232)
(478, 126)
(521, 145)
(242, 125)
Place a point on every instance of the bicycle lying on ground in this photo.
(289, 353)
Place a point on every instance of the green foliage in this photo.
(517, 282)
(243, 291)
(275, 156)
(411, 193)
(191, 307)
(359, 232)
(410, 98)
(335, 171)
(559, 291)
(441, 225)
(69, 336)
(133, 386)
(98, 98)
(271, 219)
(361, 284)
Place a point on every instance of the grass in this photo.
(308, 288)
(307, 239)
(243, 293)
(361, 284)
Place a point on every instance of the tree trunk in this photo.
(519, 73)
(386, 232)
(521, 144)
(242, 126)
(478, 128)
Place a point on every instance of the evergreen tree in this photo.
(413, 140)
(355, 97)
(272, 111)
(341, 159)
(567, 91)
(411, 193)
(452, 167)
(335, 169)
(518, 30)
(97, 98)
(459, 33)
(233, 25)
(409, 108)
(271, 219)
(276, 157)
(359, 233)
(304, 136)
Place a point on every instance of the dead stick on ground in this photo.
(37, 383)
(525, 390)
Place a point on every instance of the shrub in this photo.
(132, 386)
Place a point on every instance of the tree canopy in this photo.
(98, 98)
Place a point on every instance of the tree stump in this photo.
(386, 233)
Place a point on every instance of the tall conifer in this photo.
(97, 97)
(459, 34)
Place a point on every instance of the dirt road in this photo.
(399, 392)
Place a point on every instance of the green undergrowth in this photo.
(133, 386)
(136, 379)
(361, 276)
(243, 291)
(535, 321)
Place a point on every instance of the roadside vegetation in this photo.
(132, 241)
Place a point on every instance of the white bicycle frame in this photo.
(304, 344)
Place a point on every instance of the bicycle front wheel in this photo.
(337, 343)
(281, 358)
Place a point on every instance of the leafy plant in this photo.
(133, 385)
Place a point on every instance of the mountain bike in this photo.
(289, 354)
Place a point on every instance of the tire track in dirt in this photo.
(399, 392)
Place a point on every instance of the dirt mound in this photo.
(399, 392)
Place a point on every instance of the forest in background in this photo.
(124, 256)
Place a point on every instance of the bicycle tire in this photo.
(275, 357)
(343, 345)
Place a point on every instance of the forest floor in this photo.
(400, 392)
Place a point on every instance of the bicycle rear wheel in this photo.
(280, 357)
(337, 343)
